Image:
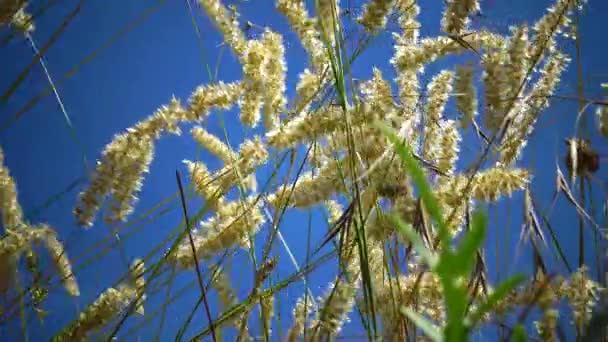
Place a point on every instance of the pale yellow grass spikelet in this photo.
(551, 23)
(406, 44)
(213, 144)
(227, 23)
(375, 14)
(431, 49)
(311, 125)
(456, 15)
(308, 86)
(407, 74)
(130, 153)
(466, 95)
(267, 313)
(276, 69)
(22, 21)
(487, 185)
(305, 28)
(333, 312)
(449, 147)
(452, 199)
(213, 186)
(547, 324)
(124, 197)
(222, 284)
(495, 82)
(526, 110)
(340, 297)
(306, 127)
(254, 64)
(409, 91)
(410, 27)
(8, 10)
(252, 153)
(380, 227)
(204, 184)
(405, 290)
(310, 188)
(124, 162)
(61, 261)
(19, 236)
(554, 65)
(136, 272)
(582, 293)
(301, 312)
(438, 93)
(378, 92)
(408, 56)
(204, 98)
(335, 210)
(164, 119)
(547, 301)
(519, 61)
(232, 222)
(263, 80)
(14, 243)
(101, 311)
(12, 214)
(494, 183)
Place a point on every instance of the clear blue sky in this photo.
(162, 57)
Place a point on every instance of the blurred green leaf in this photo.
(424, 324)
(406, 229)
(519, 334)
(419, 178)
(471, 243)
(493, 298)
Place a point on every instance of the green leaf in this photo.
(419, 178)
(455, 296)
(472, 241)
(424, 324)
(519, 334)
(406, 229)
(499, 293)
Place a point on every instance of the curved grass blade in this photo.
(413, 237)
(424, 324)
(419, 178)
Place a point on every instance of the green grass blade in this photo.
(499, 293)
(472, 241)
(413, 237)
(424, 324)
(519, 334)
(419, 179)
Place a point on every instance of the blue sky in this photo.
(161, 57)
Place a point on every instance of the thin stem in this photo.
(198, 271)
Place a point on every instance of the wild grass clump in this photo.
(407, 221)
